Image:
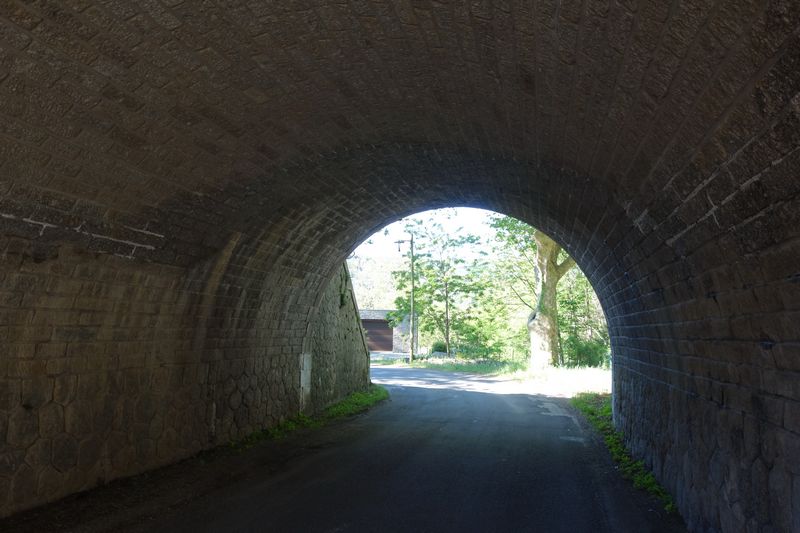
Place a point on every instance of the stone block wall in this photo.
(111, 367)
(339, 353)
(722, 442)
(178, 186)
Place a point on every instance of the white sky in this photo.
(383, 243)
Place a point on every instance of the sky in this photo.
(383, 243)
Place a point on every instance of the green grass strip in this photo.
(597, 409)
(355, 403)
(480, 366)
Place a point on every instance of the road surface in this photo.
(447, 452)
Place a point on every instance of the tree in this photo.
(525, 298)
(532, 266)
(444, 280)
(584, 335)
(543, 320)
(372, 280)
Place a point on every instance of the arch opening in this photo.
(477, 291)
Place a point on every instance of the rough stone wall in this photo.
(94, 378)
(339, 353)
(111, 367)
(202, 173)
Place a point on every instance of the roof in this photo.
(374, 314)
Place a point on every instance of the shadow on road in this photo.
(447, 452)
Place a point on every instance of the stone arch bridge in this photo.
(181, 180)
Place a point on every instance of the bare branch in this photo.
(521, 299)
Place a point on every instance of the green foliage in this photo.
(597, 409)
(387, 362)
(355, 403)
(372, 280)
(584, 352)
(491, 367)
(582, 326)
(447, 282)
(438, 346)
(288, 426)
(483, 300)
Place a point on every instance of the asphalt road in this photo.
(447, 452)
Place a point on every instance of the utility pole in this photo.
(447, 317)
(412, 318)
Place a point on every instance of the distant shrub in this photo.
(438, 346)
(583, 352)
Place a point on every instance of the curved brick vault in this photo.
(182, 180)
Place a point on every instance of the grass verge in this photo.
(453, 364)
(355, 403)
(597, 409)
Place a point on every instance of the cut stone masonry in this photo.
(181, 182)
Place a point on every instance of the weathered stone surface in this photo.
(65, 453)
(36, 392)
(3, 426)
(89, 452)
(51, 420)
(795, 509)
(339, 361)
(10, 461)
(50, 483)
(23, 427)
(64, 389)
(172, 214)
(40, 453)
(77, 418)
(167, 444)
(5, 489)
(23, 485)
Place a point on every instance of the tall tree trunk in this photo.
(543, 321)
(543, 329)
